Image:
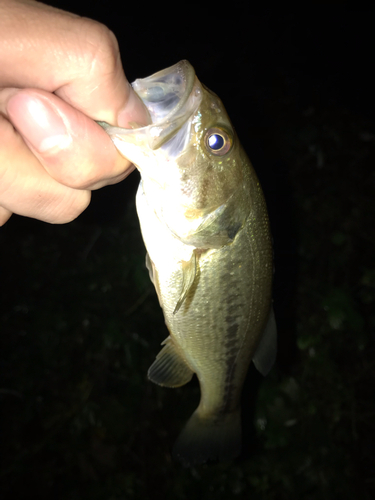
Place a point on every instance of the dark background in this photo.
(80, 323)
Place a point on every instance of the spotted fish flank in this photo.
(205, 225)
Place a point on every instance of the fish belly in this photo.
(217, 329)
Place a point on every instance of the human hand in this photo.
(58, 74)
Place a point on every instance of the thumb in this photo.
(71, 147)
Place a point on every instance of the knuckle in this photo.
(71, 209)
(4, 215)
(60, 208)
(9, 141)
(102, 52)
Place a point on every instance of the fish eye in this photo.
(218, 141)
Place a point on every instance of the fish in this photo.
(205, 226)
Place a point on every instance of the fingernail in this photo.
(134, 112)
(38, 121)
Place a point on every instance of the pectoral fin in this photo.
(150, 268)
(189, 271)
(169, 369)
(265, 354)
(153, 277)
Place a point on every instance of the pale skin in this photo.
(59, 74)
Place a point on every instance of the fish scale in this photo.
(205, 226)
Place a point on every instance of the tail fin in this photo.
(214, 438)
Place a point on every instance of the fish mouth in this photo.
(171, 96)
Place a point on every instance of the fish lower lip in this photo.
(170, 99)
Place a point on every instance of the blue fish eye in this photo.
(216, 141)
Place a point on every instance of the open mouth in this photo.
(171, 97)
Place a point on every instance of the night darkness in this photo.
(80, 322)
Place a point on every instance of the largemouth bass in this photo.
(205, 226)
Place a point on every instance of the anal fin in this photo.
(169, 369)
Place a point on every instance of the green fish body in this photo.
(205, 226)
